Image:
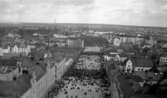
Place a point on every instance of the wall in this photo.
(40, 88)
(63, 67)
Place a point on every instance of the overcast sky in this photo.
(125, 12)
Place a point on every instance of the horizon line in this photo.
(83, 24)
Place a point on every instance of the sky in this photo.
(123, 12)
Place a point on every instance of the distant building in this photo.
(90, 62)
(129, 66)
(9, 69)
(162, 62)
(15, 50)
(4, 50)
(138, 64)
(75, 43)
(117, 42)
(60, 36)
(95, 49)
(114, 54)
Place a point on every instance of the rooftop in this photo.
(93, 49)
(141, 61)
(7, 65)
(15, 88)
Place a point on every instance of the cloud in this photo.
(130, 12)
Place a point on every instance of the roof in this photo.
(8, 62)
(141, 61)
(92, 49)
(15, 88)
(108, 50)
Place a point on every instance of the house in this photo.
(75, 43)
(162, 62)
(109, 53)
(9, 69)
(114, 54)
(129, 66)
(138, 63)
(163, 59)
(4, 49)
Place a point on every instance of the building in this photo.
(139, 63)
(34, 81)
(134, 39)
(4, 50)
(75, 43)
(9, 69)
(62, 67)
(92, 49)
(15, 50)
(90, 62)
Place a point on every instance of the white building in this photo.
(129, 66)
(16, 49)
(4, 50)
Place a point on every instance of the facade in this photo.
(94, 49)
(24, 50)
(40, 87)
(90, 62)
(138, 64)
(62, 67)
(4, 50)
(129, 66)
(163, 60)
(75, 43)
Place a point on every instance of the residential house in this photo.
(75, 43)
(139, 63)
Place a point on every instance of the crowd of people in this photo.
(82, 83)
(83, 88)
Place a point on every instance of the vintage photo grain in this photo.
(83, 48)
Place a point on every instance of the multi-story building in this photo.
(16, 50)
(138, 64)
(75, 43)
